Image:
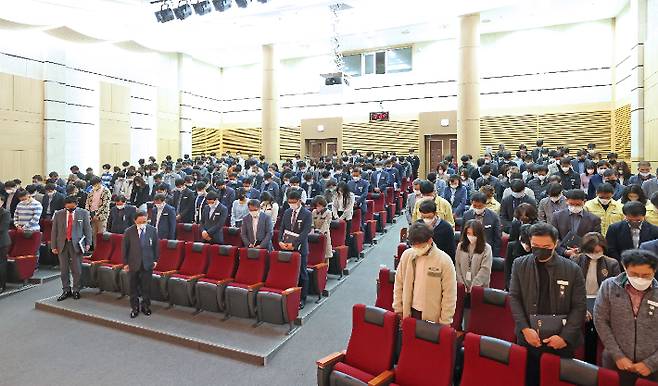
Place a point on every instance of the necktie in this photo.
(294, 218)
(142, 237)
(69, 226)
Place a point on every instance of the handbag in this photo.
(548, 325)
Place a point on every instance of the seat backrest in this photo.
(187, 232)
(252, 267)
(103, 247)
(232, 237)
(644, 382)
(117, 251)
(459, 309)
(283, 272)
(385, 289)
(372, 341)
(338, 232)
(12, 238)
(195, 260)
(223, 262)
(497, 280)
(356, 220)
(25, 243)
(316, 248)
(171, 255)
(390, 195)
(377, 200)
(401, 248)
(428, 354)
(556, 371)
(370, 207)
(491, 361)
(275, 240)
(504, 242)
(46, 230)
(489, 304)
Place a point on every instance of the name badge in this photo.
(469, 276)
(487, 226)
(652, 303)
(562, 282)
(150, 242)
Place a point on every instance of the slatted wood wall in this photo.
(206, 140)
(396, 136)
(622, 138)
(574, 130)
(245, 140)
(290, 142)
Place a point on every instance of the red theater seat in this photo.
(488, 304)
(171, 258)
(369, 352)
(396, 259)
(107, 272)
(232, 237)
(181, 284)
(498, 273)
(46, 230)
(240, 294)
(190, 233)
(221, 271)
(493, 362)
(644, 382)
(504, 241)
(391, 204)
(338, 263)
(370, 223)
(385, 284)
(102, 252)
(316, 267)
(357, 237)
(22, 257)
(277, 301)
(379, 210)
(556, 371)
(458, 318)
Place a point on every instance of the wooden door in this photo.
(453, 148)
(317, 148)
(332, 148)
(434, 153)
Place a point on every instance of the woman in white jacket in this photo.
(343, 206)
(473, 258)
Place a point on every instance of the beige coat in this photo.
(321, 224)
(440, 290)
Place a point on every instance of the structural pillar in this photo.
(468, 86)
(270, 105)
(638, 137)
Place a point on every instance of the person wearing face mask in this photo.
(200, 201)
(52, 201)
(486, 178)
(411, 200)
(574, 222)
(163, 218)
(515, 249)
(121, 216)
(553, 202)
(513, 174)
(71, 236)
(652, 210)
(610, 176)
(457, 195)
(631, 232)
(624, 316)
(590, 171)
(442, 232)
(425, 282)
(296, 224)
(140, 250)
(342, 206)
(511, 202)
(359, 187)
(605, 207)
(633, 193)
(650, 186)
(270, 186)
(322, 217)
(539, 183)
(311, 187)
(643, 174)
(489, 220)
(239, 209)
(569, 178)
(492, 204)
(182, 199)
(11, 200)
(597, 178)
(98, 205)
(213, 219)
(443, 206)
(380, 179)
(247, 185)
(547, 298)
(473, 258)
(256, 228)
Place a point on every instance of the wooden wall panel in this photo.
(398, 136)
(114, 123)
(622, 138)
(206, 141)
(290, 142)
(245, 140)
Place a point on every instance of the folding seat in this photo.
(277, 301)
(369, 352)
(458, 318)
(275, 240)
(171, 257)
(497, 273)
(556, 371)
(405, 185)
(45, 253)
(315, 265)
(396, 259)
(240, 294)
(22, 258)
(427, 357)
(277, 224)
(493, 362)
(221, 271)
(108, 272)
(338, 263)
(385, 284)
(190, 233)
(102, 252)
(357, 236)
(232, 237)
(370, 223)
(379, 207)
(181, 285)
(391, 204)
(644, 382)
(504, 241)
(489, 304)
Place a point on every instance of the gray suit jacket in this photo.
(81, 227)
(263, 231)
(136, 255)
(562, 221)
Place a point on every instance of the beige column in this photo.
(639, 36)
(650, 70)
(468, 86)
(270, 105)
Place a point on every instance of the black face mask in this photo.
(542, 254)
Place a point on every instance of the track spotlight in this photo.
(241, 3)
(165, 14)
(183, 11)
(222, 5)
(202, 7)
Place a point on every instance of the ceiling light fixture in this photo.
(222, 5)
(183, 11)
(165, 14)
(202, 7)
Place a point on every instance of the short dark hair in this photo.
(71, 200)
(254, 202)
(319, 200)
(554, 189)
(200, 185)
(479, 197)
(419, 233)
(21, 193)
(140, 213)
(634, 208)
(575, 194)
(426, 187)
(486, 169)
(427, 206)
(94, 180)
(591, 240)
(544, 229)
(517, 186)
(294, 194)
(120, 198)
(160, 197)
(605, 188)
(639, 257)
(211, 196)
(50, 186)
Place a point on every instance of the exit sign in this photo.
(379, 116)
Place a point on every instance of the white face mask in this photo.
(254, 213)
(604, 201)
(50, 194)
(428, 221)
(121, 206)
(294, 206)
(595, 256)
(10, 191)
(565, 169)
(356, 178)
(454, 186)
(639, 283)
(602, 170)
(141, 226)
(541, 177)
(479, 211)
(417, 192)
(518, 195)
(160, 206)
(575, 209)
(420, 250)
(644, 174)
(472, 239)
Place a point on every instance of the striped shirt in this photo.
(106, 179)
(27, 215)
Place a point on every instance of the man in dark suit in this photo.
(511, 202)
(140, 254)
(442, 232)
(574, 222)
(631, 232)
(256, 228)
(182, 199)
(163, 218)
(121, 216)
(359, 187)
(297, 220)
(489, 219)
(200, 201)
(71, 236)
(270, 186)
(415, 162)
(11, 200)
(213, 219)
(311, 187)
(225, 194)
(248, 186)
(379, 179)
(52, 201)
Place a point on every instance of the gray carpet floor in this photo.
(40, 348)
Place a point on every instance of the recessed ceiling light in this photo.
(484, 21)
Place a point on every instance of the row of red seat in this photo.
(428, 358)
(22, 256)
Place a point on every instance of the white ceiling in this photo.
(298, 27)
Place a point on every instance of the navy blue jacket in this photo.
(167, 225)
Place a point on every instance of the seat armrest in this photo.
(330, 360)
(460, 334)
(318, 266)
(291, 290)
(225, 281)
(383, 379)
(255, 286)
(196, 277)
(168, 273)
(97, 262)
(117, 266)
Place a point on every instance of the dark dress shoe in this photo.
(301, 305)
(146, 311)
(64, 296)
(76, 295)
(133, 314)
